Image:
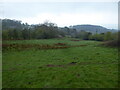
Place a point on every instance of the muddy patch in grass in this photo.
(51, 65)
(60, 44)
(72, 63)
(64, 65)
(76, 40)
(80, 63)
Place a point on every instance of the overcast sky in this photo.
(62, 13)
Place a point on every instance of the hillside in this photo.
(92, 28)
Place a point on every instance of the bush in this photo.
(113, 43)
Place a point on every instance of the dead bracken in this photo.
(37, 46)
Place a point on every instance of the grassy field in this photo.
(59, 63)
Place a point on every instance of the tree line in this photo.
(15, 30)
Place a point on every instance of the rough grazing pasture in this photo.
(59, 63)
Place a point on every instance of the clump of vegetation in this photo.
(113, 43)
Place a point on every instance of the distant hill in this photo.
(92, 28)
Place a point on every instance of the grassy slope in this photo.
(96, 66)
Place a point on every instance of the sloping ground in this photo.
(90, 66)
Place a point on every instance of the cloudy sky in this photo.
(63, 13)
